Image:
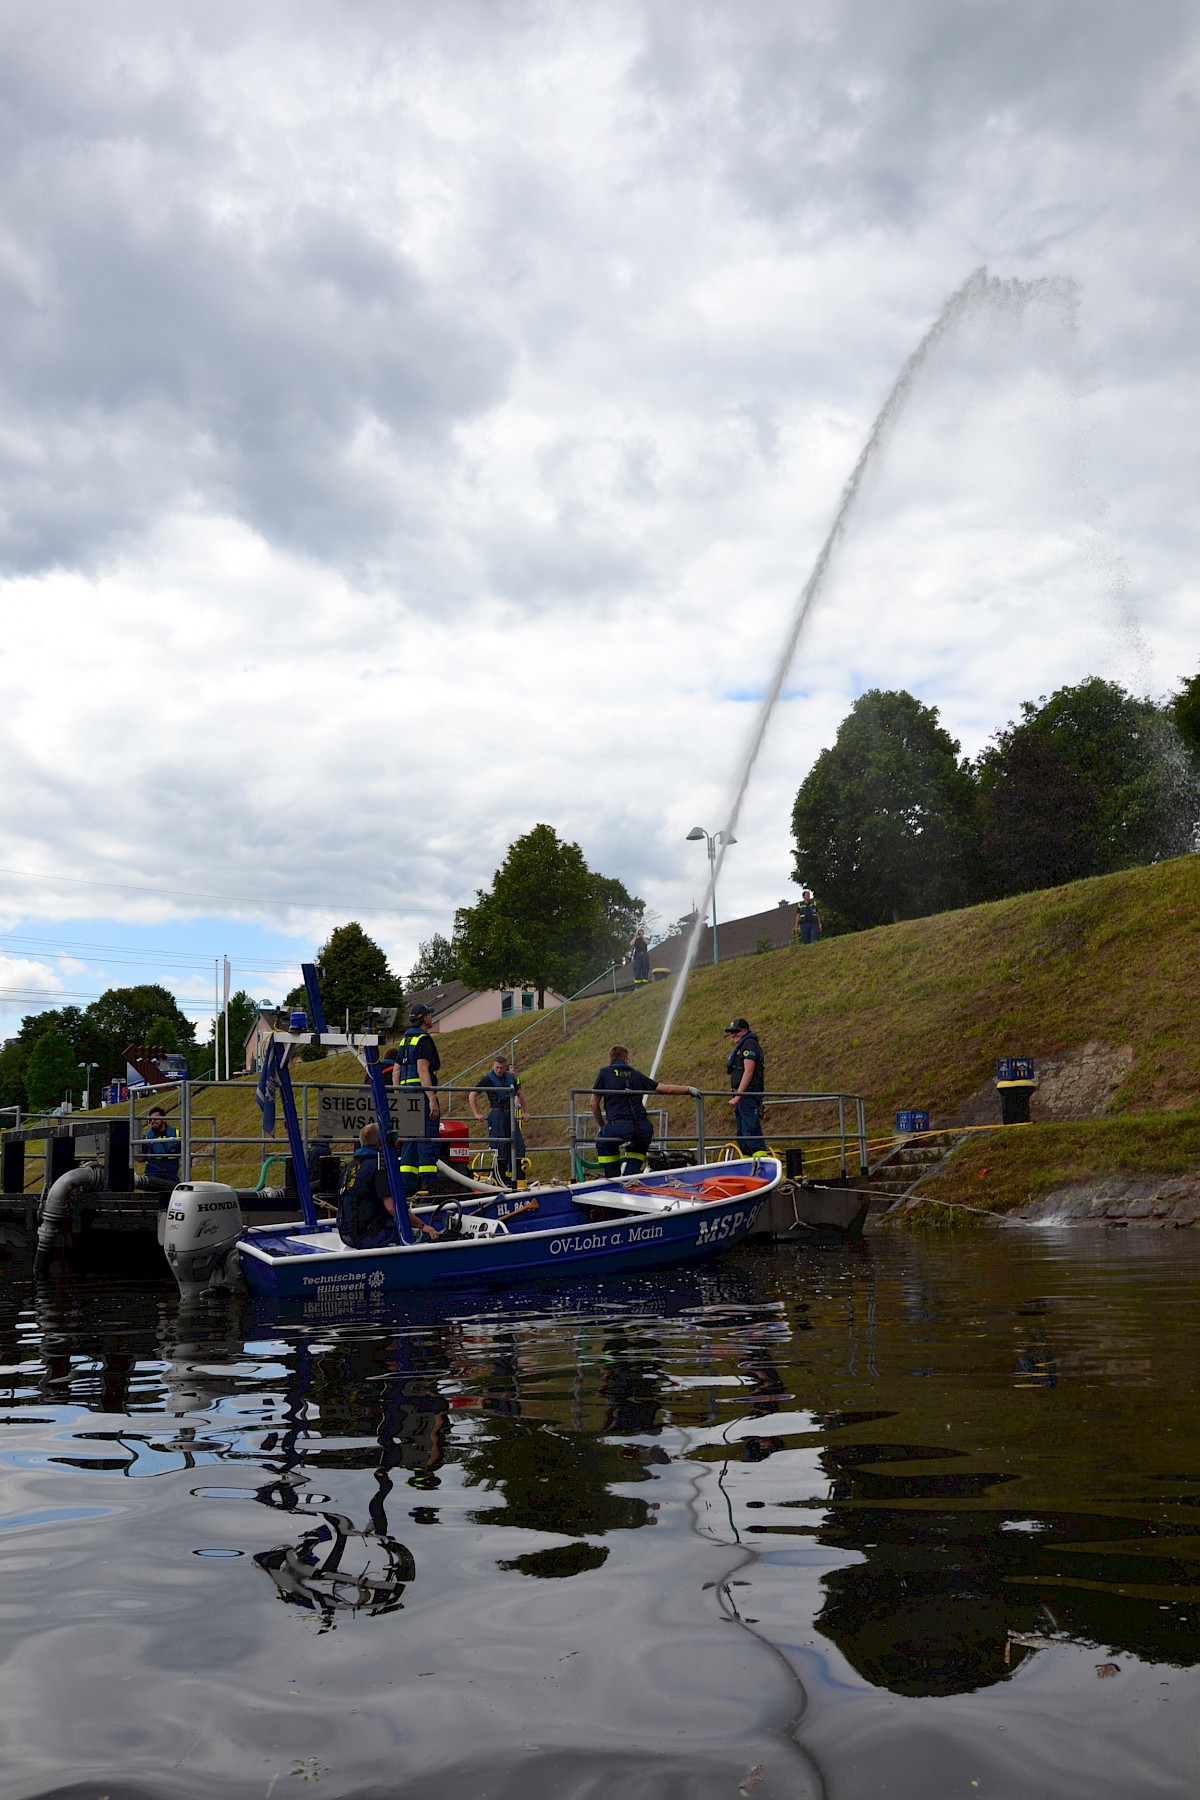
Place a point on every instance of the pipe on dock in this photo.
(54, 1209)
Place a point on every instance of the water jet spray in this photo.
(979, 290)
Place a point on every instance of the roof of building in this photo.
(735, 937)
(442, 998)
(275, 1018)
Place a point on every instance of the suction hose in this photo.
(472, 1187)
(55, 1207)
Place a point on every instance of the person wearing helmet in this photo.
(416, 1066)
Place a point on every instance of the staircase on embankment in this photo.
(908, 1162)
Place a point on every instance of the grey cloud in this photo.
(869, 111)
(159, 351)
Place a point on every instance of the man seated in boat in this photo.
(366, 1217)
(624, 1133)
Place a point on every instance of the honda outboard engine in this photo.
(204, 1223)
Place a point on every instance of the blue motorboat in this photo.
(489, 1236)
(601, 1227)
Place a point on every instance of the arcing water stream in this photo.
(979, 291)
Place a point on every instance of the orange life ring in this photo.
(728, 1187)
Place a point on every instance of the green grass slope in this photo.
(915, 1014)
(909, 1015)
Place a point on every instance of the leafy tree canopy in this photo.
(353, 973)
(547, 921)
(98, 1033)
(126, 1015)
(1091, 780)
(436, 961)
(1042, 820)
(51, 1071)
(13, 1091)
(1185, 710)
(884, 822)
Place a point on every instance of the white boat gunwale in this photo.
(314, 1258)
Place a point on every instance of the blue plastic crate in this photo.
(907, 1122)
(1014, 1068)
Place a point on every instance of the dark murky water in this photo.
(917, 1520)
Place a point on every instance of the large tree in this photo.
(1041, 819)
(124, 1016)
(548, 921)
(1185, 710)
(51, 1071)
(436, 961)
(884, 823)
(353, 976)
(148, 1014)
(1091, 780)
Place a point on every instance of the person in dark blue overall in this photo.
(624, 1133)
(807, 928)
(366, 1218)
(641, 959)
(495, 1088)
(745, 1069)
(166, 1168)
(417, 1064)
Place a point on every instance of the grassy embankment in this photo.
(915, 1014)
(911, 1015)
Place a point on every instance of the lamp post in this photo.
(87, 1083)
(712, 839)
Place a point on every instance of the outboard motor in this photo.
(204, 1223)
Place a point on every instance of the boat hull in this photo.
(601, 1246)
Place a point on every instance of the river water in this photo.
(916, 1519)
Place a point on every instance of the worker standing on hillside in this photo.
(624, 1131)
(745, 1069)
(641, 958)
(504, 1134)
(807, 928)
(417, 1064)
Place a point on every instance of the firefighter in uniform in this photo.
(807, 928)
(417, 1064)
(624, 1133)
(158, 1132)
(366, 1217)
(641, 958)
(746, 1068)
(504, 1133)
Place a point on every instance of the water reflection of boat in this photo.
(334, 1567)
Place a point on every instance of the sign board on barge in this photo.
(342, 1112)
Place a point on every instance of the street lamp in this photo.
(712, 839)
(87, 1083)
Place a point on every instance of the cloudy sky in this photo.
(418, 422)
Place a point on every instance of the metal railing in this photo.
(333, 1113)
(698, 1140)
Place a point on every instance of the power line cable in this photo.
(129, 887)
